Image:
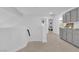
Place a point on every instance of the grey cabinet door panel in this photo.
(69, 35)
(74, 15)
(78, 14)
(76, 37)
(67, 17)
(61, 32)
(64, 34)
(64, 18)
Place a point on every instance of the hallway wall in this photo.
(12, 39)
(8, 19)
(56, 25)
(34, 25)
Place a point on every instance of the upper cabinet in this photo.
(67, 15)
(71, 16)
(78, 14)
(74, 14)
(64, 18)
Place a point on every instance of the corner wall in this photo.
(13, 39)
(56, 25)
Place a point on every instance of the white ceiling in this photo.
(41, 11)
(9, 16)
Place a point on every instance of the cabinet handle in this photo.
(28, 32)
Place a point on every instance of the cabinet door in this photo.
(67, 17)
(61, 33)
(74, 15)
(78, 15)
(76, 37)
(64, 34)
(69, 35)
(64, 18)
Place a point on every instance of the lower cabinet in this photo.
(76, 37)
(64, 34)
(69, 35)
(61, 33)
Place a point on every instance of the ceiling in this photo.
(41, 11)
(10, 16)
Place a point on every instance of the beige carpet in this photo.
(55, 44)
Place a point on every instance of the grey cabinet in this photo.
(71, 16)
(64, 34)
(74, 15)
(69, 35)
(78, 14)
(64, 18)
(76, 37)
(67, 16)
(61, 33)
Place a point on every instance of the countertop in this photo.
(69, 28)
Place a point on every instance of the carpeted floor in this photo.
(54, 44)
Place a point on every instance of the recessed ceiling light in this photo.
(51, 14)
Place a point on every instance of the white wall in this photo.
(56, 24)
(12, 39)
(34, 24)
(8, 19)
(12, 35)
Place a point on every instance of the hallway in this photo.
(54, 44)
